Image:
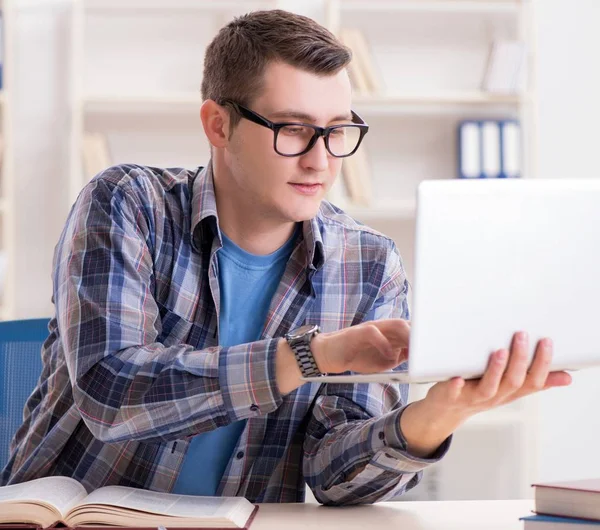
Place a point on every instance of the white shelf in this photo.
(372, 104)
(431, 6)
(388, 210)
(400, 103)
(142, 103)
(471, 97)
(171, 5)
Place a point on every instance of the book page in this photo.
(166, 503)
(61, 493)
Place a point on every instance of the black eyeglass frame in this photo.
(254, 117)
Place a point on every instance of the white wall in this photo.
(568, 146)
(41, 120)
(569, 111)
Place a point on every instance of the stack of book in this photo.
(573, 505)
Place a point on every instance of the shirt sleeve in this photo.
(356, 427)
(126, 384)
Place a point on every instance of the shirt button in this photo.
(254, 408)
(240, 455)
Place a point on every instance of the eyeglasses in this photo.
(296, 139)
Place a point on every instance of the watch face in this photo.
(303, 330)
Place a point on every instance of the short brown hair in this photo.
(236, 58)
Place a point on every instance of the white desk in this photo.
(442, 515)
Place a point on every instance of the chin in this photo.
(302, 212)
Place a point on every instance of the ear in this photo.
(215, 121)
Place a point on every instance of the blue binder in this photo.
(498, 151)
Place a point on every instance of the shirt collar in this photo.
(205, 221)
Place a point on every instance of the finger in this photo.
(516, 371)
(448, 392)
(376, 339)
(488, 386)
(396, 330)
(540, 367)
(403, 356)
(555, 379)
(455, 386)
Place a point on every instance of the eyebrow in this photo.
(306, 117)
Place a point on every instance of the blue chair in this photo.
(20, 368)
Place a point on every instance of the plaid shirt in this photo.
(133, 369)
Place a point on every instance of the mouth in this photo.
(307, 188)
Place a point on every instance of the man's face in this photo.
(289, 189)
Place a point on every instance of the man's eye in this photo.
(292, 130)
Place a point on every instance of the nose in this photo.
(317, 158)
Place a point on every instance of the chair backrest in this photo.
(20, 368)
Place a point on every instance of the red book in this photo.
(576, 498)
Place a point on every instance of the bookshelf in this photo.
(429, 58)
(7, 232)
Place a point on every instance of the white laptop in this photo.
(495, 256)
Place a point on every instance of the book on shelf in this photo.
(549, 522)
(362, 71)
(51, 501)
(505, 68)
(576, 498)
(96, 155)
(489, 149)
(356, 174)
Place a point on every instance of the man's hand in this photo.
(373, 346)
(427, 423)
(368, 347)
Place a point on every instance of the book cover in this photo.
(589, 485)
(547, 522)
(575, 498)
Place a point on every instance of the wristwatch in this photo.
(299, 341)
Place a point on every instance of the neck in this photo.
(241, 221)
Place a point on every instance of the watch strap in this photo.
(304, 356)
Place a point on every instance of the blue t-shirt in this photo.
(247, 283)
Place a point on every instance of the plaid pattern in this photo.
(132, 367)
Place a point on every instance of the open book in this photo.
(52, 500)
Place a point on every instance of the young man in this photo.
(187, 304)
